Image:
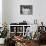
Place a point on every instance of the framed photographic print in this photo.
(26, 9)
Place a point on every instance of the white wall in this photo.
(0, 13)
(4, 12)
(12, 11)
(16, 11)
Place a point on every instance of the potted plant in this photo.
(3, 34)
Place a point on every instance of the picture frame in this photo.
(26, 9)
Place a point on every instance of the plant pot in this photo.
(2, 40)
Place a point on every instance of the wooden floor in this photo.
(32, 45)
(42, 45)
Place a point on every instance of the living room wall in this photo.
(0, 13)
(12, 11)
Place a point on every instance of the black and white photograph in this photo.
(26, 9)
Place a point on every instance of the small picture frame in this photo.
(26, 9)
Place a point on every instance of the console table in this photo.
(18, 29)
(21, 29)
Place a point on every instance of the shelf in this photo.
(19, 32)
(19, 25)
(16, 32)
(12, 32)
